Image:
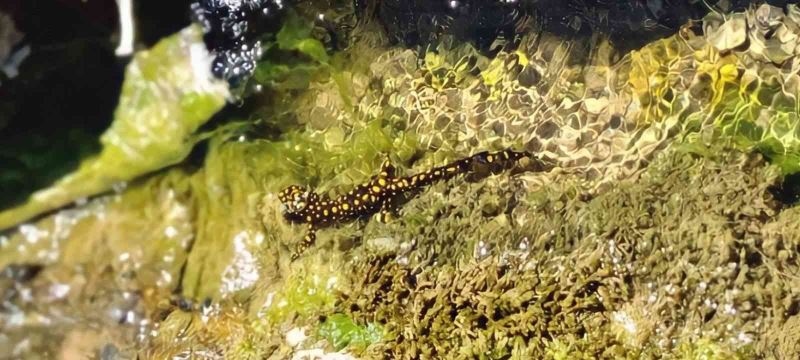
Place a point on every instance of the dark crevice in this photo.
(787, 193)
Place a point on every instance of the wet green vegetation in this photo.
(657, 233)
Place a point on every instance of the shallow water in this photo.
(657, 217)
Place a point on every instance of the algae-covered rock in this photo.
(168, 93)
(656, 233)
(662, 260)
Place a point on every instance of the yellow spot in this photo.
(437, 173)
(489, 158)
(346, 206)
(376, 189)
(373, 198)
(365, 197)
(451, 169)
(308, 218)
(384, 173)
(325, 212)
(382, 182)
(505, 154)
(422, 177)
(393, 187)
(356, 202)
(335, 209)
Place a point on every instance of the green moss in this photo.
(341, 332)
(705, 349)
(303, 296)
(605, 277)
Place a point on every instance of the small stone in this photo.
(595, 106)
(295, 336)
(731, 34)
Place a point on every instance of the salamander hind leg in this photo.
(307, 242)
(487, 162)
(393, 192)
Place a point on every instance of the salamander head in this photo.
(295, 202)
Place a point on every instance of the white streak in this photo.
(126, 29)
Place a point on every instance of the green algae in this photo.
(292, 72)
(153, 241)
(165, 99)
(732, 96)
(295, 34)
(695, 259)
(167, 95)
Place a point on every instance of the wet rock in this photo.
(731, 34)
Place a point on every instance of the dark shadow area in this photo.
(788, 191)
(53, 112)
(628, 24)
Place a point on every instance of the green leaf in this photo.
(296, 35)
(312, 48)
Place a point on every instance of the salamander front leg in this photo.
(308, 241)
(387, 169)
(385, 216)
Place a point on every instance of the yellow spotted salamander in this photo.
(299, 205)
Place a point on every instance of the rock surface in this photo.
(659, 231)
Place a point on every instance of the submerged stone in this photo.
(660, 231)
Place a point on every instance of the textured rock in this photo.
(657, 232)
